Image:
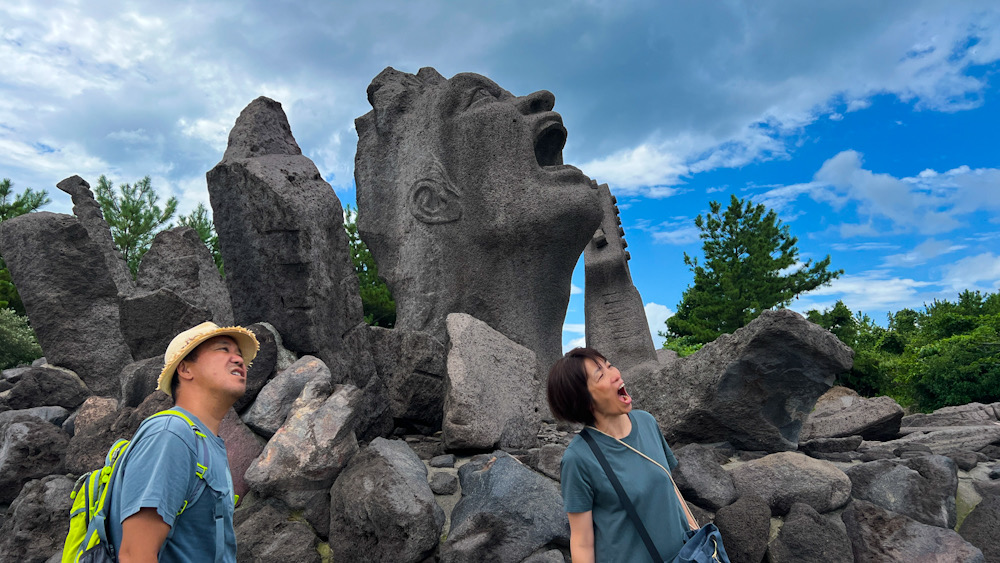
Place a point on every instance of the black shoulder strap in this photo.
(629, 508)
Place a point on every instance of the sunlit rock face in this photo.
(467, 207)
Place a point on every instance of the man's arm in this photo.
(143, 534)
(581, 536)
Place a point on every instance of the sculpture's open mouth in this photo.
(549, 144)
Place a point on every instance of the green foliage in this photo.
(683, 345)
(959, 369)
(13, 205)
(379, 306)
(947, 354)
(133, 216)
(750, 265)
(17, 340)
(202, 223)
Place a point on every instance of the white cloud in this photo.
(921, 254)
(575, 343)
(676, 230)
(656, 316)
(575, 289)
(929, 203)
(574, 328)
(871, 291)
(974, 272)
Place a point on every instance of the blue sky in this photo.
(869, 126)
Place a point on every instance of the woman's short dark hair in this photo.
(567, 391)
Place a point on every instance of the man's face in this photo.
(504, 155)
(218, 369)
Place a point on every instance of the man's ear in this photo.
(183, 371)
(432, 201)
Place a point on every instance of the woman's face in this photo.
(607, 389)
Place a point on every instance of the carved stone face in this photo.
(467, 206)
(503, 154)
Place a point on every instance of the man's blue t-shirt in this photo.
(585, 487)
(159, 472)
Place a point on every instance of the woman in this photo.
(584, 387)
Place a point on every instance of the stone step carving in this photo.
(615, 318)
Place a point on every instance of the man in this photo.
(159, 509)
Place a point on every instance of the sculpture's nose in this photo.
(540, 101)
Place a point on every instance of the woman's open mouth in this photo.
(623, 395)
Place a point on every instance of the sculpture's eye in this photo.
(480, 96)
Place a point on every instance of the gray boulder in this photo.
(442, 483)
(463, 210)
(69, 295)
(830, 445)
(382, 508)
(944, 441)
(151, 319)
(782, 479)
(753, 388)
(139, 379)
(546, 556)
(922, 488)
(808, 537)
(315, 442)
(267, 531)
(412, 363)
(29, 449)
(972, 414)
(981, 525)
(744, 527)
(492, 399)
(90, 442)
(37, 521)
(881, 536)
(54, 415)
(550, 461)
(263, 366)
(701, 479)
(46, 386)
(271, 407)
(179, 261)
(841, 412)
(242, 448)
(91, 411)
(88, 211)
(284, 245)
(507, 512)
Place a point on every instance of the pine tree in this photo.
(133, 216)
(379, 306)
(750, 265)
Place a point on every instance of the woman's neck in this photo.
(617, 426)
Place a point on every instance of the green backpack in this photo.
(87, 541)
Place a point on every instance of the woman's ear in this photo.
(433, 200)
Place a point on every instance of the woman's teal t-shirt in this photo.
(585, 487)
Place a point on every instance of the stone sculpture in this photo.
(616, 320)
(466, 205)
(88, 211)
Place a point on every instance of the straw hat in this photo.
(185, 342)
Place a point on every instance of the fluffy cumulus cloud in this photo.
(869, 292)
(574, 336)
(929, 203)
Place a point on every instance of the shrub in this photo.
(17, 341)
